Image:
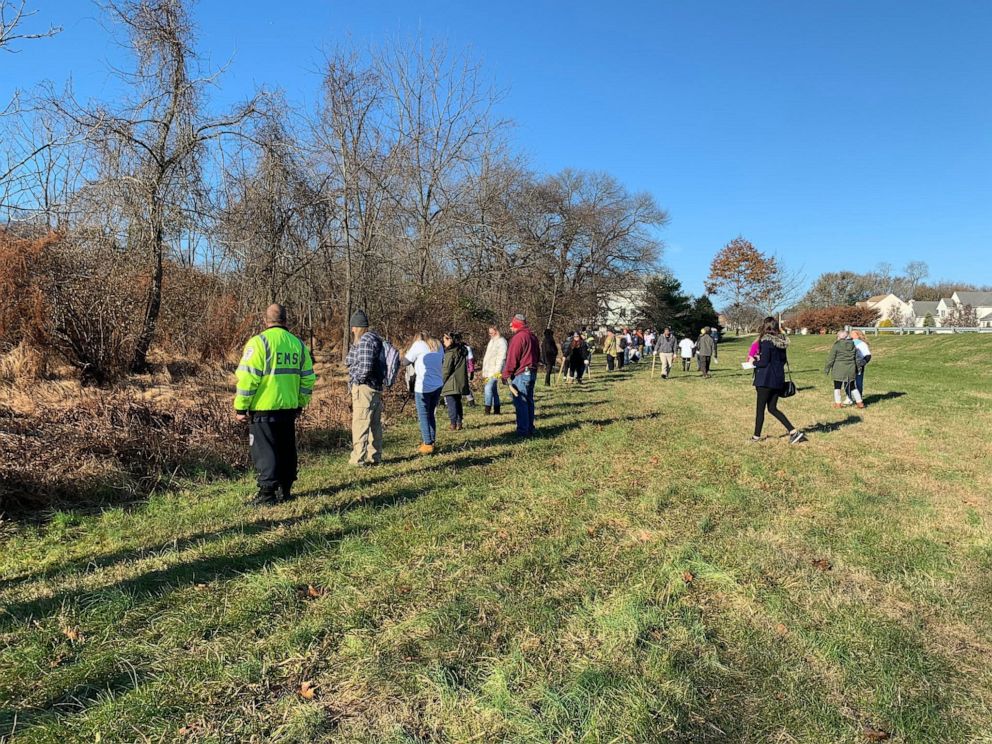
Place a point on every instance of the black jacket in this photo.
(769, 367)
(549, 352)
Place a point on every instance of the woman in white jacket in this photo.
(492, 368)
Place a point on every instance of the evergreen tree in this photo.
(703, 314)
(665, 304)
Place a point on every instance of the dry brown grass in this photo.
(65, 444)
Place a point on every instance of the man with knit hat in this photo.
(275, 380)
(520, 370)
(366, 374)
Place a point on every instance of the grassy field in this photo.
(636, 573)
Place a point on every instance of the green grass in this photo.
(636, 573)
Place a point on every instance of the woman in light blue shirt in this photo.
(426, 356)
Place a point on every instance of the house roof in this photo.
(922, 307)
(975, 299)
(947, 301)
(987, 316)
(876, 298)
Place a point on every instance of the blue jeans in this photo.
(426, 408)
(859, 381)
(523, 403)
(491, 391)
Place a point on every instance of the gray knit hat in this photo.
(359, 319)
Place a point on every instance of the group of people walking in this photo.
(275, 379)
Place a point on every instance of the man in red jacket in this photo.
(522, 358)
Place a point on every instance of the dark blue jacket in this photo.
(769, 367)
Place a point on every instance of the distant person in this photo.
(492, 368)
(590, 338)
(520, 370)
(649, 339)
(470, 366)
(576, 358)
(454, 374)
(426, 358)
(705, 351)
(687, 349)
(842, 365)
(611, 350)
(275, 380)
(864, 356)
(624, 345)
(769, 379)
(549, 356)
(366, 377)
(667, 348)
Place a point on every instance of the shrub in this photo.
(837, 317)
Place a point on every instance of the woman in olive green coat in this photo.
(842, 365)
(454, 373)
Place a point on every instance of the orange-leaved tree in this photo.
(742, 275)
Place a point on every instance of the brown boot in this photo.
(859, 404)
(425, 449)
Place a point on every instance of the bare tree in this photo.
(441, 111)
(12, 15)
(154, 142)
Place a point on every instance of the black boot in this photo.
(265, 497)
(489, 410)
(495, 410)
(286, 492)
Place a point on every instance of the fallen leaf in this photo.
(309, 591)
(688, 577)
(781, 630)
(874, 734)
(306, 690)
(822, 564)
(591, 531)
(75, 635)
(643, 535)
(654, 460)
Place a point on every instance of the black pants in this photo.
(455, 411)
(577, 367)
(704, 364)
(549, 370)
(273, 450)
(686, 364)
(610, 361)
(768, 398)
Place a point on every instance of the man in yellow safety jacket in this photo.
(275, 380)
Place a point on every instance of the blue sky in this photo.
(834, 134)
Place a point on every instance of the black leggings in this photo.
(768, 398)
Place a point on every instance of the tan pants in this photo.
(667, 360)
(366, 425)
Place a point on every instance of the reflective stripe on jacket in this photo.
(275, 373)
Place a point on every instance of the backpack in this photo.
(389, 360)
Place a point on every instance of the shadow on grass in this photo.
(257, 526)
(73, 701)
(827, 427)
(879, 397)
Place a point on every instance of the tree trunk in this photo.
(139, 363)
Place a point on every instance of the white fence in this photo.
(900, 330)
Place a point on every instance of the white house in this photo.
(981, 302)
(919, 309)
(889, 307)
(621, 308)
(944, 308)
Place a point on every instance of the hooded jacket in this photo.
(842, 361)
(769, 366)
(454, 370)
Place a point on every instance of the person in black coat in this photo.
(576, 356)
(549, 355)
(769, 379)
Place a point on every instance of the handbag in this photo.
(789, 388)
